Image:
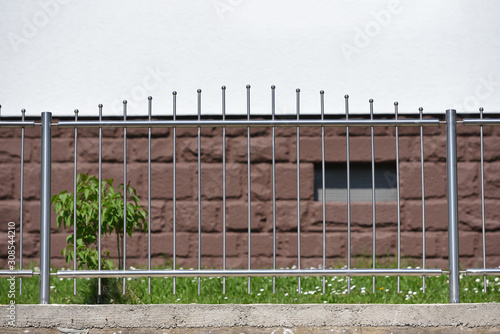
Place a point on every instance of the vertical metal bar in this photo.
(23, 113)
(174, 114)
(348, 163)
(199, 190)
(150, 111)
(100, 202)
(249, 192)
(451, 166)
(273, 112)
(482, 199)
(75, 199)
(373, 198)
(298, 186)
(423, 194)
(396, 106)
(44, 297)
(323, 188)
(124, 192)
(224, 188)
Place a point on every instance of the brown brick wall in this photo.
(261, 194)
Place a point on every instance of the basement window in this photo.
(361, 182)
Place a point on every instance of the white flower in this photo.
(478, 280)
(258, 294)
(261, 290)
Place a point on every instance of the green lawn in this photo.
(236, 290)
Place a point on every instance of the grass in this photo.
(436, 291)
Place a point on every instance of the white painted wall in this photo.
(58, 55)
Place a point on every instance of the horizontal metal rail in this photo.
(247, 123)
(484, 121)
(247, 273)
(482, 271)
(16, 273)
(17, 124)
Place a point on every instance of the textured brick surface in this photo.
(311, 212)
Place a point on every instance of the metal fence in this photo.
(248, 122)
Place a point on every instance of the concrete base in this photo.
(277, 319)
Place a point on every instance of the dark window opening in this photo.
(361, 182)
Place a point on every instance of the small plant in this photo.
(87, 219)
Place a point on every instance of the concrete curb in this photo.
(317, 316)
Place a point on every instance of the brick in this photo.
(492, 180)
(212, 181)
(262, 244)
(31, 181)
(62, 177)
(9, 211)
(411, 244)
(31, 247)
(159, 216)
(261, 186)
(492, 244)
(311, 245)
(187, 149)
(470, 216)
(186, 132)
(187, 216)
(435, 149)
(237, 216)
(57, 244)
(7, 173)
(286, 216)
(468, 174)
(162, 149)
(212, 245)
(335, 216)
(31, 216)
(468, 243)
(162, 244)
(63, 149)
(12, 133)
(436, 244)
(409, 148)
(136, 132)
(411, 180)
(162, 181)
(361, 243)
(335, 149)
(286, 181)
(436, 215)
(10, 150)
(236, 132)
(260, 149)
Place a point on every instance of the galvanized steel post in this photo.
(45, 209)
(451, 167)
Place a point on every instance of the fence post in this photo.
(45, 209)
(451, 167)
